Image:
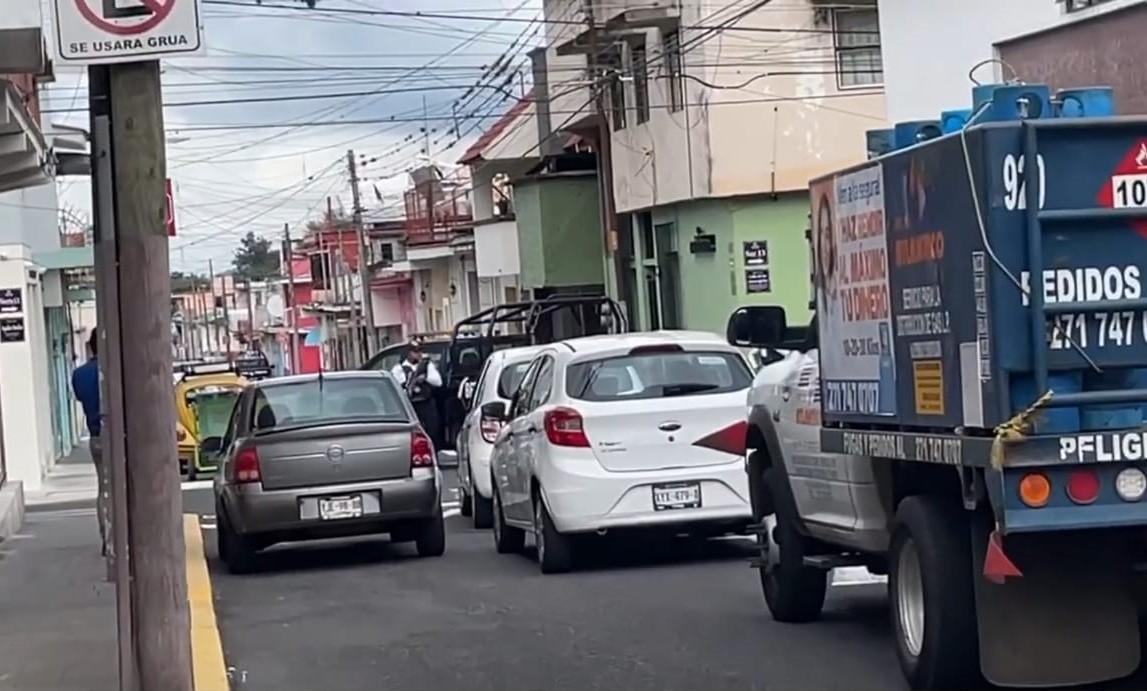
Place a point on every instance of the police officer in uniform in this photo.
(419, 377)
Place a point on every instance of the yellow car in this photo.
(204, 397)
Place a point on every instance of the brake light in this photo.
(246, 467)
(730, 440)
(564, 428)
(421, 450)
(1083, 486)
(490, 429)
(654, 349)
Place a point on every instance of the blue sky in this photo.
(230, 181)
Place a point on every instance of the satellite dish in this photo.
(275, 306)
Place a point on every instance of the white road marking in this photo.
(196, 484)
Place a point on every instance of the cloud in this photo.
(237, 169)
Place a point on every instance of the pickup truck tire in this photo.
(793, 592)
(932, 595)
(465, 503)
(483, 511)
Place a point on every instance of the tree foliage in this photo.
(255, 259)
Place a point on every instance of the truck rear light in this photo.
(421, 450)
(180, 435)
(490, 429)
(730, 440)
(246, 468)
(564, 428)
(1131, 484)
(1083, 486)
(1035, 490)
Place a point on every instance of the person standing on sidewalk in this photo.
(86, 388)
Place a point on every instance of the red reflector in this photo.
(421, 450)
(564, 428)
(246, 467)
(997, 566)
(1083, 486)
(654, 349)
(729, 440)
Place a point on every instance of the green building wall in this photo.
(713, 285)
(559, 230)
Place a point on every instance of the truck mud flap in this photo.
(1069, 620)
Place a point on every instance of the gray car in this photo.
(323, 456)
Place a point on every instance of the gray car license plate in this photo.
(335, 508)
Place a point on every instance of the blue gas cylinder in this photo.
(1089, 102)
(911, 133)
(1019, 102)
(879, 142)
(954, 120)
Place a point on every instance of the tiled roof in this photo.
(492, 135)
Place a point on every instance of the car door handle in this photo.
(531, 430)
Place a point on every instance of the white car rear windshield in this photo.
(331, 401)
(644, 375)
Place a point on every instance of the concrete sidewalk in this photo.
(70, 484)
(59, 631)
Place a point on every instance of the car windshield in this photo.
(213, 409)
(328, 401)
(657, 375)
(510, 378)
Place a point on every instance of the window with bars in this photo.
(1070, 6)
(674, 69)
(640, 82)
(856, 40)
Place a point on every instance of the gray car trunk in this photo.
(348, 452)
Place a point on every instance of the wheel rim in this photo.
(539, 532)
(910, 598)
(774, 555)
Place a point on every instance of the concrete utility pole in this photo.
(365, 305)
(251, 317)
(213, 320)
(129, 197)
(609, 221)
(289, 294)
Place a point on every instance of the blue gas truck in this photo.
(978, 362)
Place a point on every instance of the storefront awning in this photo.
(25, 160)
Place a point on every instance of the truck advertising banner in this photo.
(850, 247)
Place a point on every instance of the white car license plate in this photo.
(334, 508)
(677, 495)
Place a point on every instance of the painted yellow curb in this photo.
(207, 661)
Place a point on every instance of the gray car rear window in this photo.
(331, 401)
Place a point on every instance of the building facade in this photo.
(719, 117)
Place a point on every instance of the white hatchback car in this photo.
(498, 381)
(642, 430)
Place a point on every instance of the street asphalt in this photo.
(364, 615)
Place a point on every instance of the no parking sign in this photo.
(105, 31)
